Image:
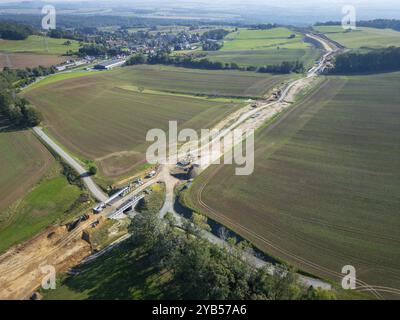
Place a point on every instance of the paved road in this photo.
(87, 180)
(313, 72)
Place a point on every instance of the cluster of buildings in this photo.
(150, 42)
(104, 65)
(109, 64)
(70, 64)
(125, 43)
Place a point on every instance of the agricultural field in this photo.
(28, 60)
(34, 51)
(235, 84)
(248, 47)
(34, 193)
(38, 45)
(51, 201)
(23, 161)
(362, 38)
(104, 117)
(325, 190)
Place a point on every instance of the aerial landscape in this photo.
(198, 150)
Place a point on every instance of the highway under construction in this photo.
(115, 206)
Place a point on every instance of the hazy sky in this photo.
(296, 3)
(282, 3)
(269, 10)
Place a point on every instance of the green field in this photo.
(37, 44)
(23, 161)
(45, 204)
(105, 117)
(199, 82)
(264, 47)
(124, 273)
(362, 38)
(325, 190)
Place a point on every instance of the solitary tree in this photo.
(92, 170)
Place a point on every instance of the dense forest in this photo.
(377, 23)
(13, 31)
(382, 60)
(211, 45)
(215, 34)
(264, 26)
(201, 270)
(17, 109)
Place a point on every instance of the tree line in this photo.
(380, 60)
(376, 23)
(284, 67)
(212, 39)
(188, 61)
(215, 34)
(18, 110)
(96, 50)
(202, 270)
(14, 31)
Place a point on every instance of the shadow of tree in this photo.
(85, 175)
(124, 273)
(7, 126)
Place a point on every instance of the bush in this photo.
(136, 59)
(92, 170)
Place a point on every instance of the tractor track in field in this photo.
(372, 289)
(277, 248)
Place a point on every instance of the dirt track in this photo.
(20, 272)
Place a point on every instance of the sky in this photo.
(258, 10)
(387, 4)
(296, 3)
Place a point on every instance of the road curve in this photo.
(87, 180)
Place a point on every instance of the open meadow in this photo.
(50, 201)
(325, 190)
(104, 117)
(34, 193)
(34, 51)
(248, 47)
(362, 38)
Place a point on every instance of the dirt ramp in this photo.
(21, 267)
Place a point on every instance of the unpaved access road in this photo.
(20, 267)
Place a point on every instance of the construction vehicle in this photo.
(72, 225)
